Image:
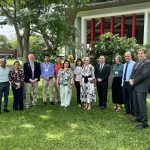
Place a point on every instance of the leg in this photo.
(51, 87)
(104, 95)
(28, 93)
(141, 98)
(35, 92)
(20, 98)
(62, 95)
(1, 95)
(136, 105)
(68, 95)
(56, 92)
(99, 95)
(77, 84)
(126, 98)
(15, 93)
(45, 85)
(6, 94)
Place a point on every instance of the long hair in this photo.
(79, 59)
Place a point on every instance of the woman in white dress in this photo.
(87, 84)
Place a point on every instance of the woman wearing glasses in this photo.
(87, 84)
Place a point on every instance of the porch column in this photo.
(146, 27)
(84, 32)
(112, 24)
(122, 26)
(92, 30)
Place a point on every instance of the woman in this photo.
(16, 77)
(64, 83)
(87, 84)
(116, 85)
(77, 79)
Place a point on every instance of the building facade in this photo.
(129, 18)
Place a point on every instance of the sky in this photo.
(8, 31)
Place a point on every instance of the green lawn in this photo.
(53, 128)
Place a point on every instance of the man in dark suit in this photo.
(32, 73)
(102, 72)
(139, 80)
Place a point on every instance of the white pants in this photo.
(65, 95)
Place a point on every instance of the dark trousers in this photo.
(18, 98)
(127, 98)
(4, 89)
(140, 108)
(102, 94)
(77, 84)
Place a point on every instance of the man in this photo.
(32, 73)
(57, 67)
(47, 72)
(4, 83)
(126, 87)
(102, 72)
(139, 80)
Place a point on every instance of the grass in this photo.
(53, 128)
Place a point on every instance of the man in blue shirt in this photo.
(47, 72)
(126, 87)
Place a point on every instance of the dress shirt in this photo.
(4, 72)
(129, 70)
(57, 68)
(47, 70)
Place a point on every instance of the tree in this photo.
(43, 16)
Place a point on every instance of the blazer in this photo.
(103, 74)
(28, 71)
(140, 75)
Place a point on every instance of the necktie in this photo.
(125, 73)
(32, 68)
(101, 67)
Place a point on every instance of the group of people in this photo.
(129, 87)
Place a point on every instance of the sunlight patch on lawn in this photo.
(28, 126)
(5, 136)
(73, 126)
(44, 117)
(50, 136)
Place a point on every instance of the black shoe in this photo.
(44, 103)
(6, 110)
(142, 126)
(102, 107)
(135, 120)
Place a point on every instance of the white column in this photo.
(145, 27)
(84, 32)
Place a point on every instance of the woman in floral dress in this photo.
(64, 83)
(87, 84)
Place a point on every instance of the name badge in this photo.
(46, 70)
(116, 72)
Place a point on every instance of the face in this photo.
(58, 60)
(86, 60)
(46, 59)
(66, 64)
(2, 63)
(127, 56)
(117, 61)
(101, 59)
(31, 57)
(16, 66)
(141, 54)
(79, 63)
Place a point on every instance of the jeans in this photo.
(4, 89)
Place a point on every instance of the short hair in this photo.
(79, 59)
(141, 49)
(46, 55)
(119, 57)
(16, 62)
(64, 63)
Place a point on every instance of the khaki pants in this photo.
(51, 90)
(57, 93)
(29, 88)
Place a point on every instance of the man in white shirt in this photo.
(4, 83)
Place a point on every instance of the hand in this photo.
(47, 78)
(131, 81)
(57, 86)
(99, 79)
